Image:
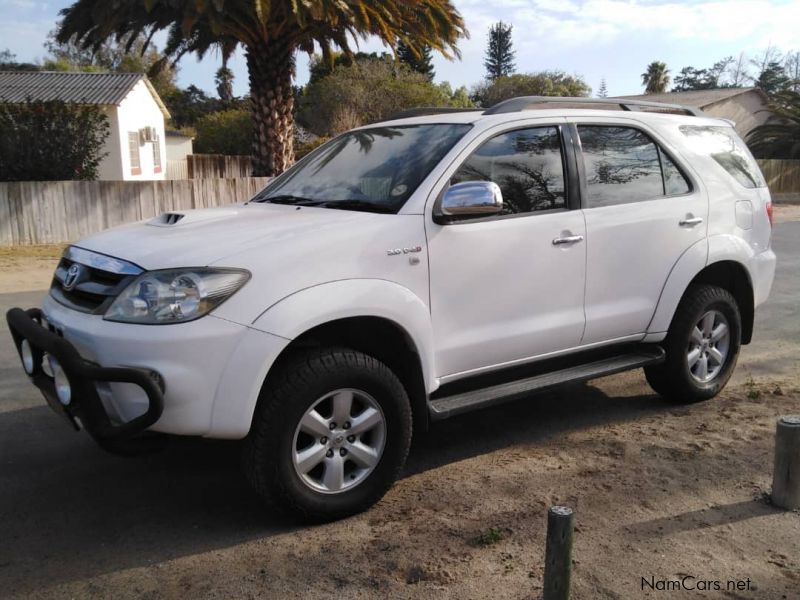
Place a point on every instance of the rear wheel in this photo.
(702, 346)
(330, 435)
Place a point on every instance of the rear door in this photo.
(643, 211)
(509, 287)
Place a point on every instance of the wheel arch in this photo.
(718, 260)
(734, 277)
(377, 317)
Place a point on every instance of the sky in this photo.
(595, 39)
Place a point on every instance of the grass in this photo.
(45, 251)
(753, 393)
(489, 537)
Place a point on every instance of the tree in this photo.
(499, 59)
(544, 83)
(51, 140)
(780, 136)
(737, 71)
(792, 68)
(773, 78)
(602, 91)
(656, 78)
(368, 90)
(271, 33)
(8, 62)
(458, 98)
(129, 53)
(420, 62)
(224, 132)
(224, 81)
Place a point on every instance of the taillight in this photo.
(769, 212)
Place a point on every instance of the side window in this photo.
(675, 183)
(623, 165)
(526, 164)
(725, 147)
(133, 150)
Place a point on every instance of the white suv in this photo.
(409, 271)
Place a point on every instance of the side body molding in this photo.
(304, 310)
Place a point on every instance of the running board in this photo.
(449, 406)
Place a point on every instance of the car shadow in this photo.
(69, 511)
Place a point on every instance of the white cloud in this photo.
(583, 24)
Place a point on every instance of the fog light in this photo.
(27, 357)
(63, 389)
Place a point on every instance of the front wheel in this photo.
(330, 435)
(702, 346)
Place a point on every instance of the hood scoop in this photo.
(172, 219)
(169, 218)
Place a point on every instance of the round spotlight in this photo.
(63, 389)
(27, 357)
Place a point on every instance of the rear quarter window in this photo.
(727, 149)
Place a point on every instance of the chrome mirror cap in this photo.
(472, 198)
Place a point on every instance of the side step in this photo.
(449, 406)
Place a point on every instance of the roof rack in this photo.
(530, 102)
(424, 111)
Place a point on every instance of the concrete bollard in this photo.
(786, 472)
(558, 553)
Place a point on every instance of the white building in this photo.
(179, 145)
(135, 145)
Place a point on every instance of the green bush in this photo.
(224, 132)
(368, 90)
(51, 140)
(301, 150)
(544, 83)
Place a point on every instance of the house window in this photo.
(156, 156)
(133, 150)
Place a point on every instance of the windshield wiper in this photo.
(353, 204)
(290, 199)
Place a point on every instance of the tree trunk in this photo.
(271, 71)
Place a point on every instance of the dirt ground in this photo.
(661, 493)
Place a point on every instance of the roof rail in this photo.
(530, 102)
(424, 111)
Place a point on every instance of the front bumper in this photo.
(84, 406)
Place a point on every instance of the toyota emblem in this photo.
(72, 277)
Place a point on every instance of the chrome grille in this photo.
(88, 281)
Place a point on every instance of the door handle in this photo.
(570, 239)
(691, 221)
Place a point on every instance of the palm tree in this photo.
(780, 136)
(656, 79)
(271, 33)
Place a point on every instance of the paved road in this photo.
(68, 511)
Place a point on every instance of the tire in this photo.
(675, 379)
(279, 449)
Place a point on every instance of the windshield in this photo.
(375, 169)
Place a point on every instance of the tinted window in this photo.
(527, 166)
(622, 165)
(674, 181)
(725, 147)
(379, 167)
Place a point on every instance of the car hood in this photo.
(206, 236)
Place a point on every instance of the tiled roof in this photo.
(70, 86)
(695, 98)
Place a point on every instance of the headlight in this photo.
(175, 295)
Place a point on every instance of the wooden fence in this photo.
(783, 176)
(49, 212)
(205, 166)
(177, 169)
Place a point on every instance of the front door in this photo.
(509, 287)
(642, 213)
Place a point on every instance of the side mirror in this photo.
(472, 198)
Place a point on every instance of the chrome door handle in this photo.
(692, 221)
(571, 239)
